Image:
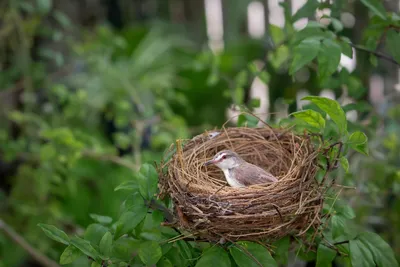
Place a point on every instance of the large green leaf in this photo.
(94, 233)
(376, 7)
(307, 10)
(133, 211)
(124, 247)
(311, 117)
(101, 219)
(328, 58)
(382, 253)
(105, 244)
(393, 44)
(360, 255)
(127, 185)
(281, 252)
(85, 246)
(55, 233)
(304, 53)
(213, 255)
(150, 252)
(325, 256)
(148, 181)
(260, 253)
(338, 226)
(332, 108)
(359, 142)
(70, 254)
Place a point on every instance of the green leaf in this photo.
(345, 47)
(133, 212)
(382, 253)
(338, 226)
(247, 120)
(311, 117)
(44, 6)
(359, 142)
(127, 185)
(150, 252)
(94, 232)
(307, 10)
(393, 43)
(337, 24)
(345, 163)
(214, 255)
(376, 7)
(360, 255)
(105, 244)
(332, 108)
(124, 247)
(328, 58)
(325, 256)
(281, 252)
(55, 233)
(101, 219)
(148, 181)
(69, 255)
(304, 53)
(85, 246)
(260, 253)
(343, 209)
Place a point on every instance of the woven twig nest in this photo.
(207, 207)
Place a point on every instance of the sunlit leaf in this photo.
(332, 108)
(259, 253)
(55, 233)
(304, 53)
(325, 256)
(311, 117)
(213, 255)
(150, 252)
(69, 255)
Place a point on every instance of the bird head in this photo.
(225, 159)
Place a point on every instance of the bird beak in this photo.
(209, 162)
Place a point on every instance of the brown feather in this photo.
(249, 174)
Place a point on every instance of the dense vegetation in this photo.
(85, 111)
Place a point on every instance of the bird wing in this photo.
(255, 175)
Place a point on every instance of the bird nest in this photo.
(207, 207)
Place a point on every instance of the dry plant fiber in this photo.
(207, 207)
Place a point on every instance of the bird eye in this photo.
(224, 157)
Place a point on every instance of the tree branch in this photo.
(35, 254)
(375, 53)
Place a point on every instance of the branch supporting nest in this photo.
(205, 205)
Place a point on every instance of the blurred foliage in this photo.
(82, 120)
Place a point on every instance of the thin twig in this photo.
(35, 254)
(375, 53)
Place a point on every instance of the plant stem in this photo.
(35, 254)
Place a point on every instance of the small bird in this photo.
(238, 172)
